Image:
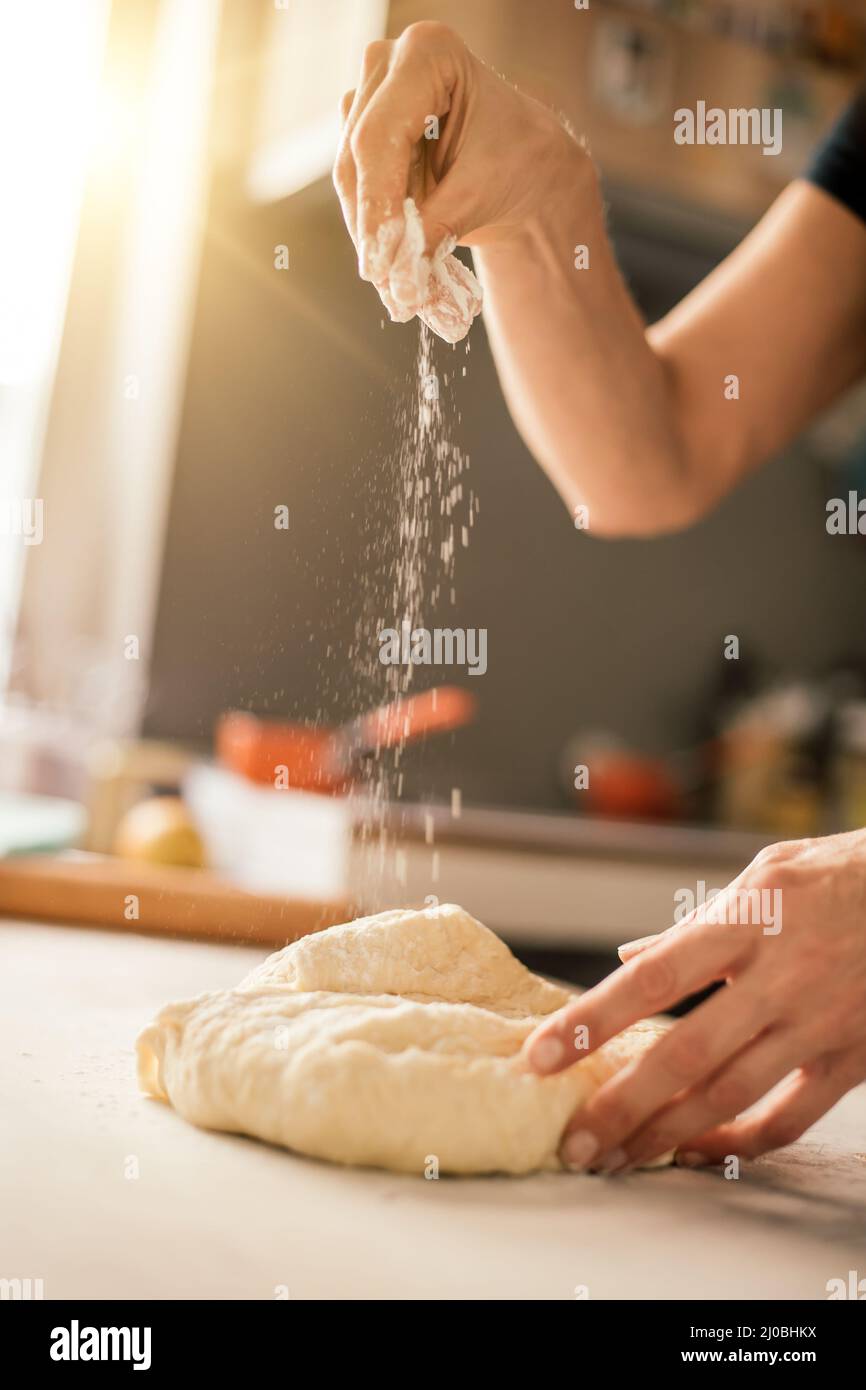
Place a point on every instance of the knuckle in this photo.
(614, 1115)
(655, 979)
(359, 140)
(774, 863)
(377, 51)
(368, 136)
(761, 878)
(816, 1070)
(684, 1057)
(575, 1030)
(778, 1133)
(729, 1095)
(427, 32)
(771, 880)
(774, 854)
(340, 171)
(656, 1141)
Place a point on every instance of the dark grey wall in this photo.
(293, 390)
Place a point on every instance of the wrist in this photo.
(566, 212)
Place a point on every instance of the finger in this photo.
(724, 906)
(642, 943)
(418, 85)
(345, 180)
(373, 71)
(746, 1078)
(692, 1051)
(628, 949)
(346, 185)
(455, 207)
(785, 1116)
(654, 981)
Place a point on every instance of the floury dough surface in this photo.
(382, 1042)
(449, 294)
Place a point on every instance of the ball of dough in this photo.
(391, 1041)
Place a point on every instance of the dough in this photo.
(387, 1041)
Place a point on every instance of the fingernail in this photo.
(690, 1160)
(579, 1149)
(638, 941)
(546, 1054)
(617, 1158)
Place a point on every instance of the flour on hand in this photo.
(383, 1042)
(440, 289)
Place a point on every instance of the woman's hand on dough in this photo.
(788, 940)
(428, 120)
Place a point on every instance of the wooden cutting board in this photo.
(108, 892)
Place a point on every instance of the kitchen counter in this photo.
(107, 1194)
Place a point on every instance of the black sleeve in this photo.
(839, 164)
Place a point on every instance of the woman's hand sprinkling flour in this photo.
(437, 150)
(632, 424)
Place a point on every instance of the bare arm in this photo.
(632, 423)
(637, 425)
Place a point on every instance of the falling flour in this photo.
(428, 473)
(414, 577)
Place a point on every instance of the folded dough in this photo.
(389, 1041)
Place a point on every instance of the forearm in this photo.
(646, 429)
(589, 396)
(639, 425)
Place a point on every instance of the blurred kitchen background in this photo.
(164, 386)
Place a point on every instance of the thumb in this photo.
(453, 208)
(431, 230)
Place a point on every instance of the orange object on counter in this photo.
(326, 759)
(629, 787)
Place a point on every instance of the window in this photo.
(50, 59)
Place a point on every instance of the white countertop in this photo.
(218, 1216)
